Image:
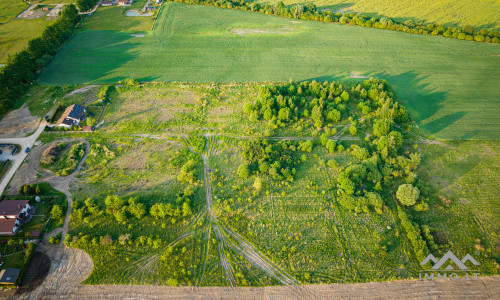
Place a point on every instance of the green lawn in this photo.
(113, 18)
(15, 34)
(484, 13)
(449, 86)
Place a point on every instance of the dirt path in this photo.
(62, 283)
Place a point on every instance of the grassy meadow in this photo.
(448, 85)
(113, 18)
(297, 224)
(485, 13)
(15, 34)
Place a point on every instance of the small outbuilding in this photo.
(9, 276)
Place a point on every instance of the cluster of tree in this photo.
(273, 159)
(181, 209)
(358, 185)
(187, 173)
(310, 12)
(86, 5)
(123, 209)
(21, 68)
(92, 240)
(313, 102)
(56, 213)
(30, 189)
(413, 233)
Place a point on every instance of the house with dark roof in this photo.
(72, 116)
(125, 2)
(9, 276)
(13, 213)
(107, 3)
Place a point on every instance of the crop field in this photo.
(448, 85)
(15, 35)
(484, 13)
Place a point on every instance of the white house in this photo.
(12, 212)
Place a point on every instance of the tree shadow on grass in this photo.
(91, 56)
(414, 91)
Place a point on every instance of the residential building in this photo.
(72, 116)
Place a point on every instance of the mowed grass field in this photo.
(15, 34)
(450, 86)
(484, 13)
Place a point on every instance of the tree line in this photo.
(22, 67)
(311, 12)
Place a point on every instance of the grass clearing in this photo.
(15, 35)
(442, 82)
(454, 12)
(296, 223)
(113, 18)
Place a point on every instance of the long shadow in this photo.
(90, 56)
(415, 93)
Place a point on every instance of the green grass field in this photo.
(485, 13)
(449, 86)
(113, 18)
(15, 34)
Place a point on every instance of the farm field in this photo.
(15, 35)
(453, 12)
(150, 148)
(440, 80)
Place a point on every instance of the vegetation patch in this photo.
(324, 179)
(63, 158)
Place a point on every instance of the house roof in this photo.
(9, 275)
(74, 111)
(12, 207)
(35, 234)
(7, 225)
(67, 121)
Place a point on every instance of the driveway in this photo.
(18, 159)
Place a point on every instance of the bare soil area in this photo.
(357, 75)
(18, 123)
(264, 30)
(81, 90)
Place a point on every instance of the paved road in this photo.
(18, 159)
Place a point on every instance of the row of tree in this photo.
(22, 67)
(123, 210)
(310, 12)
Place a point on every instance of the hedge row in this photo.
(22, 67)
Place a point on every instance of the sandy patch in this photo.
(81, 90)
(295, 22)
(32, 12)
(138, 35)
(264, 30)
(357, 75)
(18, 123)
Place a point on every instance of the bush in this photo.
(407, 194)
